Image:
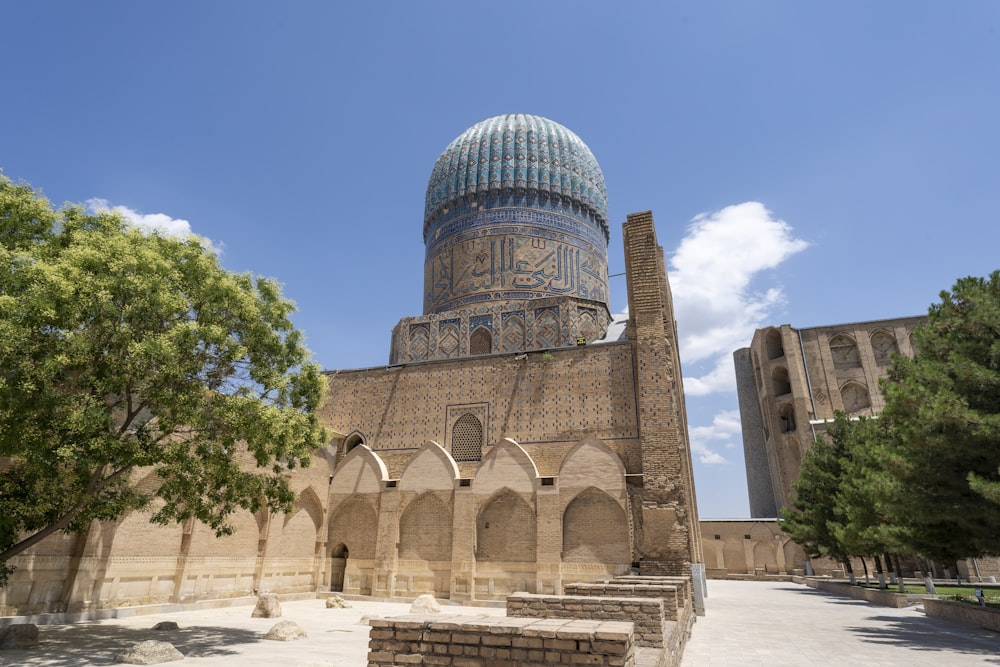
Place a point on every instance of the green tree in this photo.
(811, 519)
(944, 410)
(838, 508)
(122, 350)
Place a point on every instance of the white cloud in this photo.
(706, 439)
(710, 276)
(150, 222)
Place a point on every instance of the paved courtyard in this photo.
(748, 623)
(763, 623)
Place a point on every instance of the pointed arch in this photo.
(480, 341)
(425, 529)
(362, 471)
(506, 529)
(506, 465)
(300, 527)
(592, 463)
(844, 351)
(354, 439)
(855, 397)
(431, 469)
(355, 525)
(884, 346)
(467, 438)
(595, 529)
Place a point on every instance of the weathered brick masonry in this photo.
(463, 641)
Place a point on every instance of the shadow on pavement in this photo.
(96, 644)
(922, 634)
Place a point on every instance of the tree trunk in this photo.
(850, 570)
(881, 572)
(899, 574)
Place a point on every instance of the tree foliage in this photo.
(121, 350)
(838, 510)
(944, 409)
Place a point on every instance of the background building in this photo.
(791, 381)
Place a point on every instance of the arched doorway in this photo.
(338, 559)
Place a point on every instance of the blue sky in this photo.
(806, 163)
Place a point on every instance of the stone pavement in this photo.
(747, 623)
(778, 623)
(226, 636)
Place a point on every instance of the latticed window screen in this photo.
(481, 342)
(467, 439)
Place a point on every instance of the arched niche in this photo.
(506, 465)
(780, 382)
(354, 524)
(595, 530)
(362, 471)
(855, 397)
(786, 415)
(425, 529)
(844, 351)
(773, 344)
(506, 529)
(353, 440)
(883, 347)
(430, 469)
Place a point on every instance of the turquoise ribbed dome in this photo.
(528, 159)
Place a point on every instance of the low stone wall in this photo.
(683, 584)
(883, 598)
(673, 603)
(484, 641)
(960, 612)
(645, 613)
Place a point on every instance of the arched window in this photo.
(467, 439)
(844, 351)
(480, 342)
(775, 349)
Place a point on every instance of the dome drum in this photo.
(516, 209)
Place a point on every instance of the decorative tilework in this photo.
(520, 153)
(481, 321)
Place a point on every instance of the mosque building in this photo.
(517, 439)
(511, 444)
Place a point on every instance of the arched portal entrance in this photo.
(338, 559)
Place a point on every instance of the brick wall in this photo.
(464, 641)
(668, 593)
(545, 401)
(646, 613)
